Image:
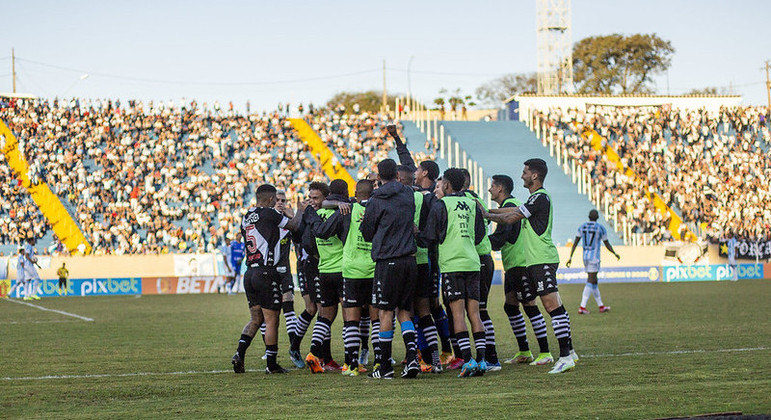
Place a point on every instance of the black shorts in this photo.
(309, 283)
(542, 278)
(357, 292)
(516, 281)
(460, 285)
(330, 289)
(287, 282)
(394, 283)
(486, 271)
(263, 287)
(62, 281)
(424, 282)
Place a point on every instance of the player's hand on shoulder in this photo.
(345, 208)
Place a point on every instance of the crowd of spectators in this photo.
(712, 168)
(359, 140)
(149, 178)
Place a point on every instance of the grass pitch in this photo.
(664, 350)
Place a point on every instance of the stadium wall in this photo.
(203, 273)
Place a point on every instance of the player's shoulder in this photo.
(538, 196)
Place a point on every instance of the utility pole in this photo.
(385, 96)
(13, 69)
(768, 85)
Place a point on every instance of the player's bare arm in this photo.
(294, 222)
(573, 249)
(506, 218)
(610, 248)
(345, 208)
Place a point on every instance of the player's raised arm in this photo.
(405, 158)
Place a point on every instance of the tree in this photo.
(611, 64)
(369, 101)
(496, 91)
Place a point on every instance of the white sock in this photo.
(586, 294)
(596, 293)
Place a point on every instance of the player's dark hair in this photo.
(403, 168)
(431, 168)
(387, 170)
(538, 166)
(455, 177)
(466, 178)
(594, 215)
(504, 181)
(365, 187)
(320, 187)
(265, 192)
(339, 187)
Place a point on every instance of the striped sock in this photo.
(243, 344)
(385, 338)
(351, 341)
(442, 327)
(410, 339)
(429, 332)
(290, 317)
(464, 344)
(301, 327)
(271, 350)
(561, 325)
(490, 351)
(480, 345)
(539, 327)
(375, 337)
(364, 331)
(517, 322)
(321, 328)
(263, 327)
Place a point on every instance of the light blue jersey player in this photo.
(594, 236)
(32, 276)
(732, 244)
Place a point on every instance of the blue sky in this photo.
(301, 51)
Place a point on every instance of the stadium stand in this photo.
(502, 147)
(713, 168)
(172, 177)
(155, 177)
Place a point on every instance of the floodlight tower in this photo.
(555, 49)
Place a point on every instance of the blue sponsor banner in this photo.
(87, 287)
(711, 272)
(566, 275)
(642, 274)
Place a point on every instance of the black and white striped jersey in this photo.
(260, 228)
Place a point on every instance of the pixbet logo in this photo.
(745, 271)
(109, 287)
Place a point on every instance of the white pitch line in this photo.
(654, 353)
(84, 318)
(56, 321)
(120, 375)
(210, 372)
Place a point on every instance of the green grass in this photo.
(157, 334)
